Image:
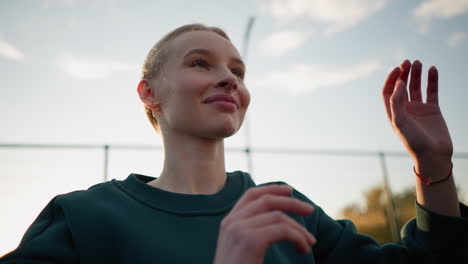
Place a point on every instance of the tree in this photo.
(372, 218)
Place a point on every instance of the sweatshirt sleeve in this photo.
(429, 238)
(47, 240)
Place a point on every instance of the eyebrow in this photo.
(207, 52)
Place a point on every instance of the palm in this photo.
(420, 126)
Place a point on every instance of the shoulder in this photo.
(103, 202)
(95, 200)
(94, 192)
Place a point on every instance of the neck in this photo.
(192, 165)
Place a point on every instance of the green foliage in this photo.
(372, 218)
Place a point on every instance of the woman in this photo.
(194, 212)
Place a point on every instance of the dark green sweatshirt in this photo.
(131, 222)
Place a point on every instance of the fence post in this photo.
(106, 161)
(245, 45)
(249, 160)
(392, 217)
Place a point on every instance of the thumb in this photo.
(398, 102)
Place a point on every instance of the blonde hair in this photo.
(157, 56)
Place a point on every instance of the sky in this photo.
(315, 69)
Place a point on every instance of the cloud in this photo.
(93, 69)
(441, 9)
(9, 51)
(456, 39)
(279, 43)
(336, 14)
(304, 78)
(438, 9)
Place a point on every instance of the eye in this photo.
(238, 72)
(199, 63)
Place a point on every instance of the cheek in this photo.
(185, 91)
(187, 94)
(245, 94)
(192, 83)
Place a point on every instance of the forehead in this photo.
(208, 40)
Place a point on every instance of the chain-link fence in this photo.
(346, 183)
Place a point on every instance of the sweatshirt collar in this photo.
(236, 184)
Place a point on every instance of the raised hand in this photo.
(420, 126)
(257, 221)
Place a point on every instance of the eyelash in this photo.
(238, 72)
(202, 63)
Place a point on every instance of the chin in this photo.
(221, 132)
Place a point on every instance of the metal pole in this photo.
(106, 161)
(245, 46)
(392, 217)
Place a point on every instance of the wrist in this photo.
(429, 180)
(433, 169)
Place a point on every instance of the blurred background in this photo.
(70, 115)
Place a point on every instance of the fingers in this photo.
(433, 86)
(405, 68)
(415, 83)
(395, 95)
(254, 193)
(398, 103)
(277, 219)
(275, 203)
(258, 219)
(284, 232)
(387, 91)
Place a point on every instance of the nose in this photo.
(229, 82)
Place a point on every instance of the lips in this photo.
(221, 97)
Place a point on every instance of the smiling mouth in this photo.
(225, 98)
(224, 105)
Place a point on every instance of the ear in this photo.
(147, 94)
